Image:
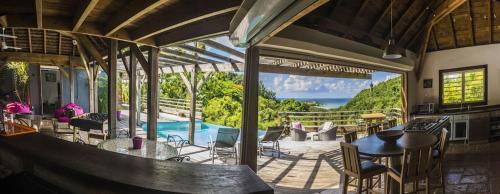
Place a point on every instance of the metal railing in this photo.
(341, 118)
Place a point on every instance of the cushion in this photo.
(63, 119)
(435, 153)
(369, 166)
(296, 125)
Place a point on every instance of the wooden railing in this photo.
(176, 106)
(341, 118)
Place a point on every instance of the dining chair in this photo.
(392, 123)
(416, 166)
(438, 154)
(373, 129)
(350, 137)
(353, 136)
(357, 169)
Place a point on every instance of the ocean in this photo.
(326, 102)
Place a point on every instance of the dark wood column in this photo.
(132, 95)
(112, 64)
(250, 109)
(152, 103)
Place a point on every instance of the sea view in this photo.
(326, 102)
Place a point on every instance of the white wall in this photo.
(455, 58)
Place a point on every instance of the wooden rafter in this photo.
(40, 58)
(93, 52)
(44, 41)
(411, 26)
(29, 40)
(492, 18)
(215, 26)
(208, 53)
(399, 19)
(172, 62)
(310, 72)
(224, 48)
(188, 56)
(175, 58)
(125, 62)
(335, 8)
(452, 28)
(380, 17)
(182, 15)
(442, 11)
(472, 26)
(39, 13)
(435, 39)
(360, 10)
(131, 12)
(59, 44)
(83, 11)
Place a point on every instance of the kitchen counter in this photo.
(83, 169)
(458, 111)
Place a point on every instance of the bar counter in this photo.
(84, 169)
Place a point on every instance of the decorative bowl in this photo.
(390, 136)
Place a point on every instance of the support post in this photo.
(250, 109)
(71, 78)
(91, 91)
(96, 88)
(132, 95)
(152, 92)
(192, 115)
(139, 99)
(112, 75)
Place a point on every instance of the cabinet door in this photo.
(479, 129)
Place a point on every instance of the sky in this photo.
(294, 86)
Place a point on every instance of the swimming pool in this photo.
(202, 133)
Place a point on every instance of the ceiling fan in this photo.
(4, 44)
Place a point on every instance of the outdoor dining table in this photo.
(373, 146)
(149, 149)
(369, 118)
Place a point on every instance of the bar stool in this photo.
(357, 169)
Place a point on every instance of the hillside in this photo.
(384, 95)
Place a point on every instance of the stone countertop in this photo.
(130, 174)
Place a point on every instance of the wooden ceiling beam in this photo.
(453, 32)
(86, 6)
(187, 12)
(130, 13)
(472, 26)
(224, 48)
(441, 11)
(208, 53)
(40, 58)
(380, 17)
(39, 13)
(215, 26)
(360, 10)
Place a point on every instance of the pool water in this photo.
(202, 134)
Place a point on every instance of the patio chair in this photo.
(272, 136)
(178, 142)
(225, 144)
(298, 134)
(327, 132)
(373, 129)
